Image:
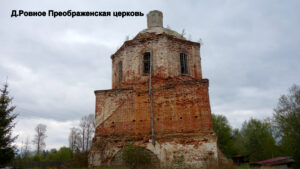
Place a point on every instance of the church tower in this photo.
(158, 101)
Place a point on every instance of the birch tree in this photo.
(75, 139)
(87, 128)
(39, 138)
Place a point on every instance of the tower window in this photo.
(146, 62)
(120, 71)
(183, 63)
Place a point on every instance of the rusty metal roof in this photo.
(274, 161)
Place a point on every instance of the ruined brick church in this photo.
(158, 101)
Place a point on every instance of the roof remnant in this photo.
(273, 161)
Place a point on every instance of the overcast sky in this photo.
(250, 54)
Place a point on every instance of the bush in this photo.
(135, 157)
(36, 158)
(80, 160)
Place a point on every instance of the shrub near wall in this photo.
(135, 157)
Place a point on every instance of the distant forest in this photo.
(259, 140)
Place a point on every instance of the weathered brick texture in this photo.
(181, 108)
(178, 107)
(165, 50)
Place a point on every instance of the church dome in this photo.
(155, 27)
(157, 31)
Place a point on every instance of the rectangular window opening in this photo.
(146, 62)
(183, 64)
(120, 67)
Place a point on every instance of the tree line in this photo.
(80, 139)
(259, 140)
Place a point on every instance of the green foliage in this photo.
(287, 123)
(7, 150)
(52, 155)
(134, 156)
(245, 166)
(257, 139)
(36, 158)
(225, 135)
(64, 154)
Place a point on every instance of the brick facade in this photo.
(181, 108)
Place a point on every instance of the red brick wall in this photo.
(177, 107)
(180, 102)
(165, 59)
